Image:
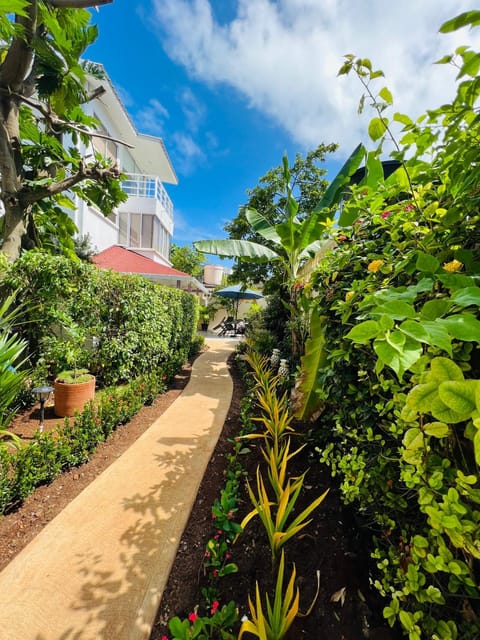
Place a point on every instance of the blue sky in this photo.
(230, 85)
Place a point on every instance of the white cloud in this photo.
(187, 153)
(151, 118)
(186, 233)
(192, 109)
(284, 55)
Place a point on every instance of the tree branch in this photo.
(54, 120)
(93, 172)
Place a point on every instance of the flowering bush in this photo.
(393, 361)
(217, 624)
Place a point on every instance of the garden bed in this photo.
(330, 544)
(345, 608)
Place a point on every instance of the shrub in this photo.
(122, 325)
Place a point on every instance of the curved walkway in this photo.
(98, 570)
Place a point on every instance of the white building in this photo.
(144, 222)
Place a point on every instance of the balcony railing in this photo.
(142, 186)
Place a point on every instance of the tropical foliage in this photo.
(268, 197)
(42, 90)
(187, 259)
(392, 365)
(12, 354)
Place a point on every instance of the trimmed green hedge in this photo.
(136, 325)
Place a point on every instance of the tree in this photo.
(42, 90)
(294, 240)
(187, 259)
(269, 199)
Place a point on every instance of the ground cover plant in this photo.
(49, 453)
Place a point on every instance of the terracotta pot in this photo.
(72, 397)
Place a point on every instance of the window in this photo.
(143, 231)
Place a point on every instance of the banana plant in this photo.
(294, 240)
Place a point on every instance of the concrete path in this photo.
(98, 570)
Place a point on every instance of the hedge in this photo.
(70, 306)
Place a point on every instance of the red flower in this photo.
(215, 606)
(215, 573)
(409, 207)
(342, 238)
(385, 214)
(164, 638)
(192, 617)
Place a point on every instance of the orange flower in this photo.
(375, 265)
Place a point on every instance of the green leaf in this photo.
(469, 18)
(444, 59)
(466, 297)
(377, 128)
(444, 413)
(397, 340)
(459, 395)
(421, 397)
(470, 66)
(364, 332)
(374, 171)
(438, 336)
(398, 360)
(437, 429)
(434, 309)
(462, 327)
(476, 446)
(427, 263)
(413, 438)
(236, 248)
(386, 95)
(415, 330)
(404, 119)
(442, 369)
(262, 226)
(397, 309)
(13, 6)
(179, 628)
(308, 402)
(455, 281)
(339, 185)
(434, 595)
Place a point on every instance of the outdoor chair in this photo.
(226, 326)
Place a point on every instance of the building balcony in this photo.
(146, 194)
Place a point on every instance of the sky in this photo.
(232, 85)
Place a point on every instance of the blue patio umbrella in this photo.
(236, 293)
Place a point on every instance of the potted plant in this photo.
(73, 387)
(204, 317)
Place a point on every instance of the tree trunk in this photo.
(14, 231)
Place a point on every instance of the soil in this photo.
(345, 607)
